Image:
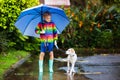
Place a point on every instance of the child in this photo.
(48, 36)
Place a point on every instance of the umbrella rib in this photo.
(58, 30)
(23, 16)
(30, 14)
(60, 15)
(31, 19)
(29, 22)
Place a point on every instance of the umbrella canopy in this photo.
(29, 18)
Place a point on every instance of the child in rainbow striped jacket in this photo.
(48, 37)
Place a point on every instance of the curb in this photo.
(16, 65)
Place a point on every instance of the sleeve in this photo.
(38, 28)
(55, 32)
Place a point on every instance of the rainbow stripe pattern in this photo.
(50, 34)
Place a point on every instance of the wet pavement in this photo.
(87, 67)
(107, 64)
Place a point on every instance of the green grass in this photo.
(10, 58)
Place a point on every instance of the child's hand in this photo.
(55, 42)
(42, 32)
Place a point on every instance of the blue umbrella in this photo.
(29, 18)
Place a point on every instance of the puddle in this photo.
(98, 67)
(29, 71)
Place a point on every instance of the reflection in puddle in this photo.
(70, 77)
(50, 76)
(40, 77)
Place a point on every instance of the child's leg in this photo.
(41, 57)
(51, 61)
(51, 55)
(50, 48)
(50, 65)
(42, 53)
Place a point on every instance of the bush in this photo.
(94, 25)
(9, 12)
